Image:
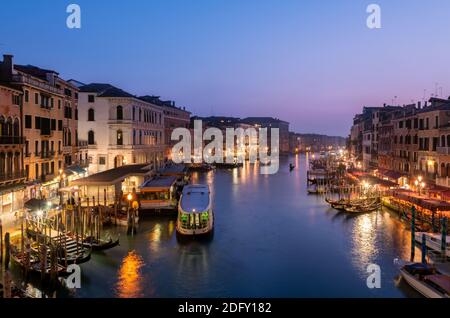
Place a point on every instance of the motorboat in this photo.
(195, 214)
(426, 280)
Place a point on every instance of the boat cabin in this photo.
(159, 193)
(194, 212)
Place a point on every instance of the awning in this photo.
(11, 188)
(391, 174)
(76, 169)
(38, 204)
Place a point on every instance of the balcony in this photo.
(443, 150)
(443, 182)
(14, 176)
(27, 79)
(12, 140)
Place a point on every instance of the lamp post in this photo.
(419, 185)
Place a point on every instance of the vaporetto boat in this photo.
(195, 214)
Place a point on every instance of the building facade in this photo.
(119, 128)
(174, 117)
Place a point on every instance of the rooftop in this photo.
(104, 90)
(112, 176)
(34, 71)
(159, 182)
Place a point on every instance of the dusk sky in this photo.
(312, 63)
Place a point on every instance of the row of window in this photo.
(418, 123)
(140, 137)
(146, 115)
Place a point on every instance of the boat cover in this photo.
(442, 281)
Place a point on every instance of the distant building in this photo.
(270, 122)
(314, 142)
(120, 128)
(174, 117)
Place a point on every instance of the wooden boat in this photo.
(225, 165)
(363, 207)
(100, 245)
(34, 266)
(338, 204)
(426, 280)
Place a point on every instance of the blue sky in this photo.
(312, 63)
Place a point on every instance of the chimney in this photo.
(425, 105)
(51, 78)
(419, 105)
(384, 105)
(6, 69)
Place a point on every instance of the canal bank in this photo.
(271, 239)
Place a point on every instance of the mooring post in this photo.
(1, 244)
(444, 239)
(7, 251)
(413, 231)
(424, 248)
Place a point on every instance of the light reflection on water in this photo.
(130, 284)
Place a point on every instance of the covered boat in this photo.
(195, 215)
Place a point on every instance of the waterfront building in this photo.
(174, 117)
(49, 121)
(120, 128)
(270, 122)
(314, 142)
(405, 142)
(12, 175)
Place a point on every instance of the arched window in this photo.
(119, 137)
(16, 128)
(442, 141)
(448, 140)
(3, 130)
(443, 170)
(91, 139)
(140, 114)
(119, 113)
(9, 127)
(69, 138)
(91, 114)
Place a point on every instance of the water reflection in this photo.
(130, 284)
(364, 238)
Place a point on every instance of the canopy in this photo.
(38, 204)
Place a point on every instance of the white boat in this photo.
(426, 280)
(434, 241)
(195, 214)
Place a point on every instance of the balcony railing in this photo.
(443, 182)
(12, 140)
(13, 176)
(443, 150)
(26, 79)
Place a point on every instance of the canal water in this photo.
(271, 239)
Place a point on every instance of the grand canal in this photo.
(271, 239)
